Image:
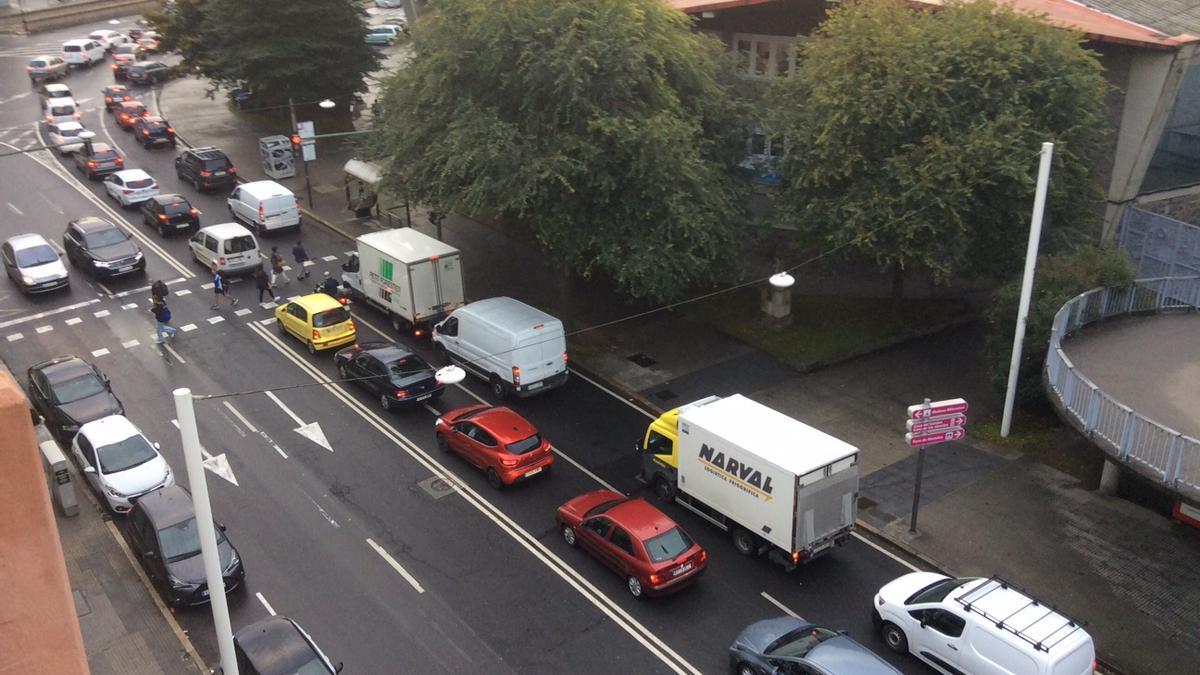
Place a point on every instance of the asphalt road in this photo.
(361, 543)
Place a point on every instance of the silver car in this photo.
(792, 646)
(46, 68)
(33, 264)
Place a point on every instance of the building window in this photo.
(766, 55)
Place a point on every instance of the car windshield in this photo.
(68, 132)
(182, 540)
(240, 244)
(125, 454)
(37, 63)
(405, 365)
(216, 164)
(937, 591)
(58, 93)
(668, 545)
(140, 183)
(35, 255)
(105, 154)
(331, 317)
(525, 445)
(800, 642)
(78, 388)
(601, 508)
(105, 237)
(314, 667)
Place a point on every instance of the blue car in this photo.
(791, 646)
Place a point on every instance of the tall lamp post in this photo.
(87, 137)
(299, 141)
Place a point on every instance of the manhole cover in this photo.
(437, 487)
(666, 395)
(642, 360)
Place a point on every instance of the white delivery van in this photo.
(413, 277)
(58, 110)
(779, 486)
(230, 245)
(265, 205)
(979, 626)
(84, 52)
(515, 348)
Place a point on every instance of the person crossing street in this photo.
(301, 257)
(277, 267)
(220, 289)
(163, 331)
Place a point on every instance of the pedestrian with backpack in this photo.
(301, 257)
(162, 317)
(220, 290)
(277, 266)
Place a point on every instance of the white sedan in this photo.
(118, 460)
(111, 39)
(131, 186)
(64, 137)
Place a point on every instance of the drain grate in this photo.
(666, 395)
(642, 360)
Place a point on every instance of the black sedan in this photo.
(102, 249)
(69, 392)
(277, 645)
(115, 95)
(153, 130)
(792, 645)
(148, 72)
(170, 213)
(397, 376)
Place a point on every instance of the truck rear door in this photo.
(825, 503)
(436, 286)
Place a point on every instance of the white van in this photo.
(266, 205)
(231, 246)
(86, 52)
(515, 348)
(979, 626)
(59, 110)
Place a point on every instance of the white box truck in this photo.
(414, 278)
(779, 486)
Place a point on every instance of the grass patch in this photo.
(825, 329)
(1046, 439)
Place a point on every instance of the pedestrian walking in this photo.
(158, 293)
(162, 317)
(301, 257)
(277, 267)
(263, 281)
(220, 290)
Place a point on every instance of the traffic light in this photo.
(296, 141)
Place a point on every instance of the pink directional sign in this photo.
(952, 406)
(918, 440)
(936, 424)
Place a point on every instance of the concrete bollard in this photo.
(777, 300)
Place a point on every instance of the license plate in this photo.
(422, 398)
(125, 268)
(681, 569)
(534, 472)
(180, 226)
(218, 173)
(535, 385)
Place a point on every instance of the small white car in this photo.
(111, 39)
(118, 460)
(131, 186)
(33, 264)
(85, 52)
(56, 90)
(64, 136)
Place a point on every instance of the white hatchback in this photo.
(131, 186)
(85, 52)
(118, 460)
(64, 136)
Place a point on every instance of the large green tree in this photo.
(605, 127)
(179, 26)
(912, 136)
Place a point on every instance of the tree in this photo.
(179, 26)
(912, 136)
(604, 128)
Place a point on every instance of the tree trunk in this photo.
(897, 282)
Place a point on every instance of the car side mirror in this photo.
(221, 526)
(157, 446)
(89, 469)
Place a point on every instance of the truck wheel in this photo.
(498, 388)
(894, 637)
(745, 542)
(664, 490)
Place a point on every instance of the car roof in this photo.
(115, 87)
(67, 125)
(504, 423)
(385, 351)
(42, 57)
(170, 199)
(226, 230)
(78, 41)
(101, 147)
(266, 188)
(133, 104)
(318, 302)
(207, 152)
(61, 101)
(56, 86)
(167, 506)
(640, 518)
(133, 174)
(157, 119)
(109, 429)
(93, 223)
(275, 645)
(24, 241)
(62, 368)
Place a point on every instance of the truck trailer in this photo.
(412, 277)
(778, 486)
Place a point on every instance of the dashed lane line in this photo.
(395, 565)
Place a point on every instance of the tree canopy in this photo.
(913, 135)
(605, 128)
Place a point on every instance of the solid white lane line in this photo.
(284, 408)
(323, 512)
(174, 353)
(46, 199)
(49, 312)
(584, 469)
(780, 605)
(612, 393)
(241, 417)
(886, 552)
(106, 289)
(99, 352)
(14, 209)
(395, 565)
(377, 329)
(273, 444)
(267, 605)
(203, 450)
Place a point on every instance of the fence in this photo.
(1160, 246)
(1153, 450)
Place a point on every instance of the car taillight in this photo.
(297, 203)
(119, 160)
(417, 332)
(205, 174)
(262, 215)
(195, 212)
(78, 115)
(508, 462)
(170, 130)
(162, 217)
(401, 394)
(145, 132)
(703, 555)
(108, 99)
(565, 359)
(91, 164)
(127, 98)
(29, 68)
(221, 261)
(516, 375)
(345, 302)
(114, 67)
(654, 578)
(232, 169)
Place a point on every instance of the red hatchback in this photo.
(634, 539)
(128, 112)
(497, 440)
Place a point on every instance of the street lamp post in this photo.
(325, 104)
(87, 137)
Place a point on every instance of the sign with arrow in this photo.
(310, 430)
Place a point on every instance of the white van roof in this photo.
(510, 314)
(227, 230)
(1019, 618)
(79, 42)
(265, 189)
(407, 245)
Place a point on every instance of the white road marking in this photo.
(242, 312)
(101, 314)
(323, 512)
(584, 469)
(780, 605)
(293, 298)
(267, 605)
(100, 352)
(130, 344)
(886, 552)
(395, 565)
(174, 353)
(309, 263)
(359, 320)
(106, 289)
(183, 291)
(349, 253)
(612, 393)
(14, 209)
(329, 258)
(188, 328)
(273, 444)
(73, 320)
(49, 312)
(14, 337)
(216, 319)
(242, 418)
(266, 305)
(44, 329)
(294, 416)
(129, 305)
(52, 204)
(207, 287)
(264, 322)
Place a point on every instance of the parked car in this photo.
(229, 245)
(33, 264)
(170, 213)
(115, 95)
(64, 136)
(205, 168)
(788, 645)
(128, 112)
(69, 392)
(265, 205)
(101, 248)
(153, 130)
(320, 321)
(634, 539)
(111, 39)
(277, 645)
(54, 90)
(506, 446)
(103, 159)
(130, 186)
(42, 68)
(85, 52)
(384, 35)
(121, 64)
(148, 72)
(392, 372)
(119, 461)
(163, 534)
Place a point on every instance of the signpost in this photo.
(308, 152)
(930, 423)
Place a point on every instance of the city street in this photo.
(394, 556)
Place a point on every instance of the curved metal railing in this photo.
(1152, 449)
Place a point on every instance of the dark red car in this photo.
(128, 112)
(497, 440)
(634, 539)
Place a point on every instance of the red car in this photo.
(497, 440)
(634, 539)
(128, 112)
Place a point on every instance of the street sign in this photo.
(935, 424)
(952, 406)
(305, 129)
(308, 151)
(920, 440)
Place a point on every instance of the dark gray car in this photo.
(791, 646)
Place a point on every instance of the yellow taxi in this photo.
(319, 320)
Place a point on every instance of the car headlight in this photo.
(27, 279)
(115, 493)
(182, 585)
(101, 263)
(138, 255)
(233, 563)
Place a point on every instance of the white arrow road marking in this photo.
(217, 464)
(311, 430)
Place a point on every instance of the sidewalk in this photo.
(1132, 575)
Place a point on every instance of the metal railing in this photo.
(1152, 449)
